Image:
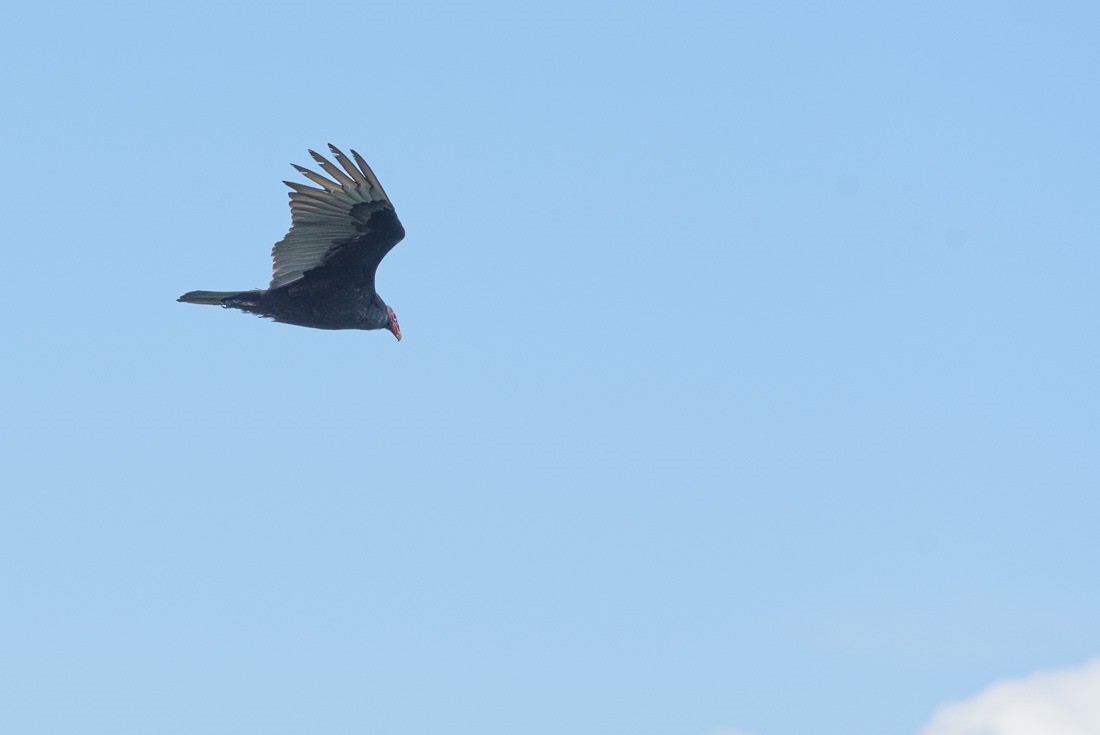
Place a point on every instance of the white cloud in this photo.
(1064, 702)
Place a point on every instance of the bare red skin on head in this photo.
(394, 326)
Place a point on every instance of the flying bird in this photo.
(324, 267)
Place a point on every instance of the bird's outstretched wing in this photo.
(349, 223)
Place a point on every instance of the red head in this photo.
(393, 325)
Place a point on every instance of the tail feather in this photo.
(217, 298)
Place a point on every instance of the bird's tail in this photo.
(218, 298)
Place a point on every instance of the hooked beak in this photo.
(393, 326)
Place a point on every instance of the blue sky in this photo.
(748, 380)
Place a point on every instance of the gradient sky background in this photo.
(749, 376)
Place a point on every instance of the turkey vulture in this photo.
(324, 267)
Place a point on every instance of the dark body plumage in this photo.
(325, 266)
